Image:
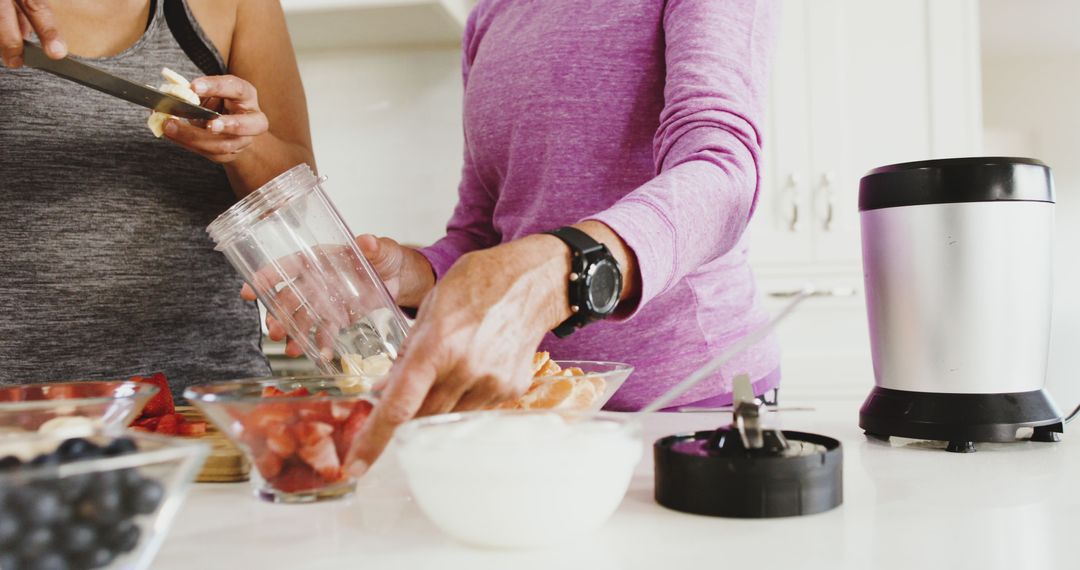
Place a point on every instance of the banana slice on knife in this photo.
(175, 85)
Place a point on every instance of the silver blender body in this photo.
(959, 296)
(957, 260)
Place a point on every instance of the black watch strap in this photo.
(583, 247)
(578, 240)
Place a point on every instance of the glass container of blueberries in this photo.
(99, 501)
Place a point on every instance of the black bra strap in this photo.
(189, 39)
(150, 14)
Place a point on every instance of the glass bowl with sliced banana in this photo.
(72, 408)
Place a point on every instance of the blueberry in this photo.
(50, 561)
(74, 486)
(101, 506)
(9, 529)
(104, 480)
(37, 506)
(77, 537)
(10, 462)
(130, 478)
(45, 459)
(145, 497)
(35, 542)
(123, 537)
(96, 558)
(120, 446)
(78, 448)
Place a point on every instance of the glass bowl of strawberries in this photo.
(72, 408)
(296, 431)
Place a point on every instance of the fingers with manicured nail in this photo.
(228, 87)
(246, 124)
(41, 19)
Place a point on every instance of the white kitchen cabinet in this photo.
(335, 24)
(856, 84)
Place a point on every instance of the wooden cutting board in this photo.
(226, 463)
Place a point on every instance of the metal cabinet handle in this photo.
(835, 292)
(826, 190)
(791, 194)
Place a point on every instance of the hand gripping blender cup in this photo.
(291, 245)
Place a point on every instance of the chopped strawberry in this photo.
(348, 432)
(298, 393)
(140, 428)
(193, 428)
(162, 402)
(296, 476)
(340, 411)
(268, 464)
(272, 392)
(168, 424)
(150, 424)
(63, 392)
(318, 411)
(309, 433)
(265, 415)
(280, 440)
(322, 456)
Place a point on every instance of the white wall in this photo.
(1030, 108)
(387, 133)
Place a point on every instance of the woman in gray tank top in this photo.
(107, 271)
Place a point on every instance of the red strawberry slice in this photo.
(322, 457)
(272, 392)
(319, 411)
(309, 433)
(268, 464)
(351, 429)
(167, 425)
(265, 415)
(297, 476)
(63, 392)
(192, 429)
(280, 440)
(149, 424)
(340, 411)
(162, 402)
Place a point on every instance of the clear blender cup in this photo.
(292, 246)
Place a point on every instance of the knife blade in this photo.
(110, 84)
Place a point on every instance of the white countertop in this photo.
(906, 505)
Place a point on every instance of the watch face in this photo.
(604, 287)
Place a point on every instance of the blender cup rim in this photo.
(249, 209)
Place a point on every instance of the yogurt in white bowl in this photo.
(519, 479)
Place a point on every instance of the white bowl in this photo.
(519, 479)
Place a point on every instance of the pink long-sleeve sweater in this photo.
(645, 115)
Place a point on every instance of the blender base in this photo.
(961, 419)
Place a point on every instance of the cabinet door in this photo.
(780, 233)
(869, 107)
(890, 82)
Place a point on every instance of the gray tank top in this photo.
(106, 270)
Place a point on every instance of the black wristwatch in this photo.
(595, 281)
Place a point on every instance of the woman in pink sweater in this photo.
(637, 122)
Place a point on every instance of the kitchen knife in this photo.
(110, 84)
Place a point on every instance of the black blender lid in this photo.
(747, 471)
(956, 180)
